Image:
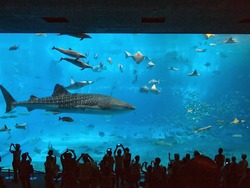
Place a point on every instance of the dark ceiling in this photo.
(125, 16)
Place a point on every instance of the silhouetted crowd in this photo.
(118, 169)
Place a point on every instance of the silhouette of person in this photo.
(219, 158)
(126, 164)
(148, 175)
(2, 179)
(106, 167)
(69, 169)
(51, 169)
(233, 172)
(243, 164)
(85, 170)
(158, 173)
(25, 169)
(15, 150)
(118, 164)
(135, 169)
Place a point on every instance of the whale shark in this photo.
(61, 101)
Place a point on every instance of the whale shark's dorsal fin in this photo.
(59, 90)
(33, 97)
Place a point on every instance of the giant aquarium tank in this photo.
(176, 93)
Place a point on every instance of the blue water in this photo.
(162, 123)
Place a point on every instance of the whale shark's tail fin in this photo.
(9, 100)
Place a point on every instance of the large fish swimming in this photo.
(63, 101)
(69, 52)
(77, 62)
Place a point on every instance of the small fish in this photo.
(110, 60)
(154, 89)
(68, 119)
(173, 69)
(121, 67)
(237, 136)
(96, 56)
(202, 129)
(21, 126)
(144, 89)
(101, 134)
(15, 47)
(230, 41)
(200, 50)
(37, 150)
(135, 79)
(41, 34)
(207, 36)
(153, 81)
(207, 64)
(194, 73)
(135, 71)
(150, 65)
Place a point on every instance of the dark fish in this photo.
(207, 64)
(14, 47)
(101, 134)
(68, 119)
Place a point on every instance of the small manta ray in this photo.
(110, 60)
(154, 89)
(15, 47)
(77, 35)
(5, 128)
(144, 89)
(21, 126)
(236, 120)
(194, 73)
(173, 69)
(77, 85)
(150, 65)
(230, 41)
(138, 57)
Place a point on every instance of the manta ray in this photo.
(63, 101)
(77, 85)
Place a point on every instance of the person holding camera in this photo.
(118, 164)
(85, 170)
(69, 172)
(15, 150)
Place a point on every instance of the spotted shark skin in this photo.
(63, 101)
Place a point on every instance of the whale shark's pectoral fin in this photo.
(30, 109)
